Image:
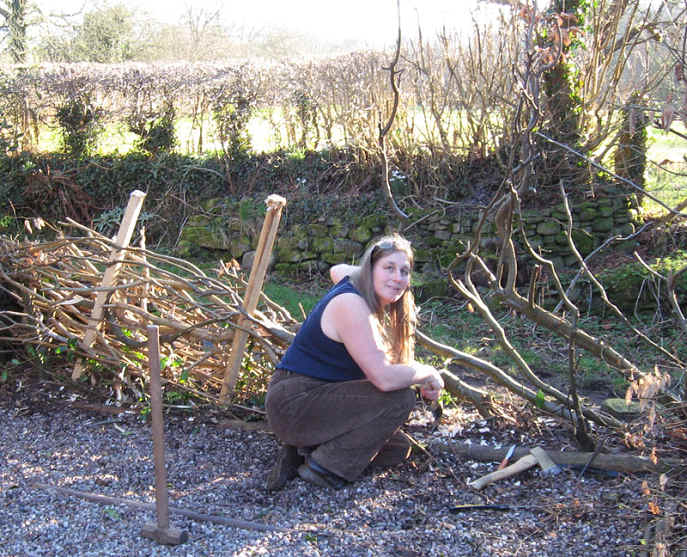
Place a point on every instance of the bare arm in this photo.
(337, 272)
(348, 319)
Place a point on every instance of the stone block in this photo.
(322, 244)
(620, 409)
(548, 228)
(361, 234)
(603, 224)
(588, 214)
(606, 211)
(584, 241)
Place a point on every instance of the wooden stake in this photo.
(275, 205)
(146, 271)
(126, 230)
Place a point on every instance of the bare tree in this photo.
(14, 15)
(505, 211)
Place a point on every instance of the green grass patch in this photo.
(667, 182)
(298, 302)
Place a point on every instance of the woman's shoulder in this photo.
(345, 285)
(347, 311)
(349, 302)
(344, 300)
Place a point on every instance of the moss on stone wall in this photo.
(314, 235)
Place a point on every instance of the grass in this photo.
(668, 181)
(298, 301)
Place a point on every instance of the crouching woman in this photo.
(342, 390)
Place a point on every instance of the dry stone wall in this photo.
(311, 239)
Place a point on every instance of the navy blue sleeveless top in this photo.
(314, 354)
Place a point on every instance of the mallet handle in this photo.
(161, 497)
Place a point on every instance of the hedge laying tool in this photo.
(506, 458)
(537, 456)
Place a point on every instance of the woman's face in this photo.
(391, 276)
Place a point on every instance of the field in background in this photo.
(665, 177)
(669, 182)
(115, 139)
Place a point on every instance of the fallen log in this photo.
(625, 463)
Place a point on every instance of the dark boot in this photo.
(285, 469)
(395, 451)
(315, 474)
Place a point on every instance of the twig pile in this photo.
(53, 286)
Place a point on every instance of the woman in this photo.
(343, 388)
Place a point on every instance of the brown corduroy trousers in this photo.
(345, 424)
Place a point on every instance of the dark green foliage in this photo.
(156, 131)
(630, 155)
(231, 118)
(79, 125)
(306, 109)
(89, 188)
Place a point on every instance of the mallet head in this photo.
(167, 536)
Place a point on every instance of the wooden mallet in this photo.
(161, 532)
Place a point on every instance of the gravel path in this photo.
(221, 470)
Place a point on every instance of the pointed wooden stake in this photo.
(126, 230)
(275, 205)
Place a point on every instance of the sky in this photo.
(371, 21)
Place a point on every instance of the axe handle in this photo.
(518, 466)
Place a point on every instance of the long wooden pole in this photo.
(275, 205)
(126, 231)
(193, 515)
(616, 462)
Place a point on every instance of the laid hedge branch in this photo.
(504, 379)
(52, 287)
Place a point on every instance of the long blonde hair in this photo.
(398, 320)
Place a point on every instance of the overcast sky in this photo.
(373, 21)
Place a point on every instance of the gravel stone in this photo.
(214, 469)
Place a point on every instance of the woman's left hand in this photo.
(430, 394)
(431, 389)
